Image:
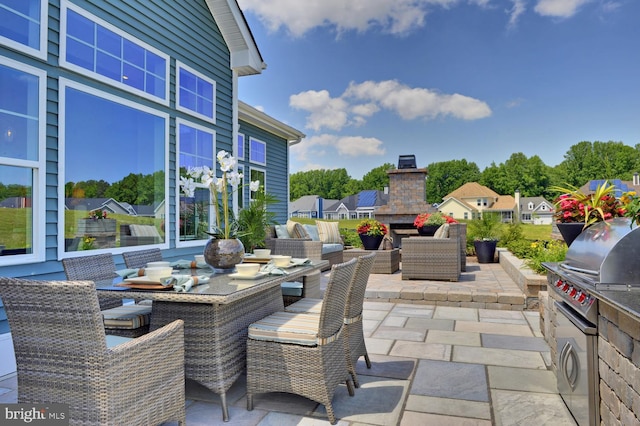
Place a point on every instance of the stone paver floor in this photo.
(432, 365)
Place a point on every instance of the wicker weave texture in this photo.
(459, 231)
(387, 261)
(140, 258)
(97, 267)
(62, 357)
(310, 288)
(313, 372)
(430, 258)
(216, 335)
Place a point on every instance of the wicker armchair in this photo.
(354, 335)
(127, 321)
(301, 247)
(63, 356)
(303, 354)
(140, 258)
(428, 258)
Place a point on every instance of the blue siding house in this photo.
(115, 99)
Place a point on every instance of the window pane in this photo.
(257, 151)
(80, 28)
(196, 94)
(80, 54)
(16, 217)
(187, 100)
(20, 21)
(114, 163)
(108, 66)
(156, 65)
(18, 114)
(109, 42)
(187, 80)
(155, 86)
(240, 146)
(133, 76)
(133, 53)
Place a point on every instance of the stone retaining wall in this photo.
(529, 282)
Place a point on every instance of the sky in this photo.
(479, 80)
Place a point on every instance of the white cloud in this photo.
(411, 103)
(357, 146)
(318, 146)
(300, 16)
(325, 111)
(515, 12)
(365, 110)
(559, 8)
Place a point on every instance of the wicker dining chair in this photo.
(355, 346)
(303, 354)
(64, 356)
(140, 258)
(129, 320)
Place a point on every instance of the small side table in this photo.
(386, 262)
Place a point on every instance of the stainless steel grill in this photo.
(602, 257)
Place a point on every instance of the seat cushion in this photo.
(287, 327)
(331, 248)
(305, 306)
(291, 288)
(127, 316)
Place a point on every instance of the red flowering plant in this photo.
(371, 227)
(98, 214)
(574, 206)
(436, 218)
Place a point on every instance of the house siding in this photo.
(277, 168)
(186, 32)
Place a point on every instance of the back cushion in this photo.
(312, 231)
(300, 232)
(329, 232)
(281, 231)
(291, 228)
(442, 231)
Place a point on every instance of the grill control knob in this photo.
(559, 283)
(566, 287)
(581, 298)
(572, 292)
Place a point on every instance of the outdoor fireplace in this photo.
(407, 199)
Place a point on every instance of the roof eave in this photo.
(259, 119)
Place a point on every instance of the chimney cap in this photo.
(407, 162)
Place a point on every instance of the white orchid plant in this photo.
(205, 177)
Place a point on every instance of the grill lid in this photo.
(608, 250)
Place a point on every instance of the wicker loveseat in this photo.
(304, 241)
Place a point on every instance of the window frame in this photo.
(264, 144)
(248, 179)
(41, 52)
(65, 5)
(212, 212)
(38, 167)
(65, 83)
(181, 65)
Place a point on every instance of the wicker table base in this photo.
(387, 261)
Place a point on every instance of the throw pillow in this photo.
(442, 231)
(290, 228)
(329, 232)
(281, 231)
(312, 231)
(300, 232)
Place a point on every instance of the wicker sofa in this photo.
(303, 245)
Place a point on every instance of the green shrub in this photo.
(545, 251)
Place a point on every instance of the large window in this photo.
(196, 93)
(257, 152)
(21, 26)
(90, 44)
(112, 181)
(22, 139)
(196, 147)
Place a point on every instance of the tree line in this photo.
(583, 162)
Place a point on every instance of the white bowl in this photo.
(262, 253)
(280, 260)
(247, 269)
(158, 264)
(156, 272)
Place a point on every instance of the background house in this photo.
(361, 205)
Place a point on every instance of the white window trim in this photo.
(40, 53)
(64, 5)
(39, 171)
(180, 65)
(252, 139)
(63, 85)
(212, 212)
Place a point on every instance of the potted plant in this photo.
(485, 233)
(255, 219)
(631, 206)
(428, 223)
(371, 233)
(576, 210)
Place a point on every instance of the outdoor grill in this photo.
(603, 257)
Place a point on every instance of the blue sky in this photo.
(368, 80)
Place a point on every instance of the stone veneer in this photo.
(530, 282)
(618, 359)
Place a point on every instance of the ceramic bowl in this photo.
(262, 253)
(156, 272)
(247, 269)
(158, 264)
(281, 260)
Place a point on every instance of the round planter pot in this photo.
(485, 251)
(428, 230)
(371, 242)
(223, 255)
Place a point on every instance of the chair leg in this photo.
(350, 388)
(354, 378)
(330, 413)
(367, 360)
(225, 409)
(249, 402)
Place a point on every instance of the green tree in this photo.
(529, 175)
(377, 178)
(446, 176)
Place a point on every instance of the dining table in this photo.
(216, 316)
